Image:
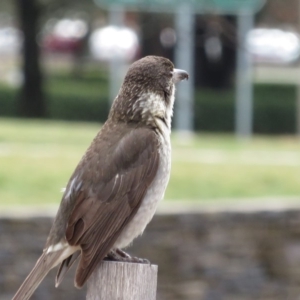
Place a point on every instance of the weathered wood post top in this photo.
(123, 281)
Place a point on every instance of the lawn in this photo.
(38, 157)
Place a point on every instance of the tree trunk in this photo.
(31, 102)
(151, 25)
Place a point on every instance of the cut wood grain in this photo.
(123, 281)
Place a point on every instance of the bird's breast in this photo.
(154, 194)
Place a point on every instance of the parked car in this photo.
(111, 41)
(10, 40)
(64, 36)
(274, 46)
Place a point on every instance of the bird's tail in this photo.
(45, 263)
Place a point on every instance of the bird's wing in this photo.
(110, 197)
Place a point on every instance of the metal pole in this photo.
(298, 111)
(116, 65)
(244, 88)
(184, 59)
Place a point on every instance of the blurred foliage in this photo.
(274, 109)
(8, 100)
(85, 98)
(78, 98)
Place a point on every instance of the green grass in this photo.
(38, 157)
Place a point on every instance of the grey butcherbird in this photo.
(114, 191)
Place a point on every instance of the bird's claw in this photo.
(120, 255)
(140, 260)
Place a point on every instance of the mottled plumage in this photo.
(114, 191)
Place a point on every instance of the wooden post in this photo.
(123, 281)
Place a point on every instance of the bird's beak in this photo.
(179, 75)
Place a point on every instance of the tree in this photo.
(31, 101)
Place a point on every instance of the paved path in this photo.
(203, 156)
(242, 205)
(213, 156)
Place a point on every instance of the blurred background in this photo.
(233, 196)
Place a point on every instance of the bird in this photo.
(114, 191)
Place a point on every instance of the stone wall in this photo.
(206, 256)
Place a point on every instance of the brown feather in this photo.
(46, 262)
(110, 182)
(65, 266)
(110, 196)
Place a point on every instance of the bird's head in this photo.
(147, 93)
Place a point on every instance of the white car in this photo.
(275, 46)
(110, 42)
(10, 40)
